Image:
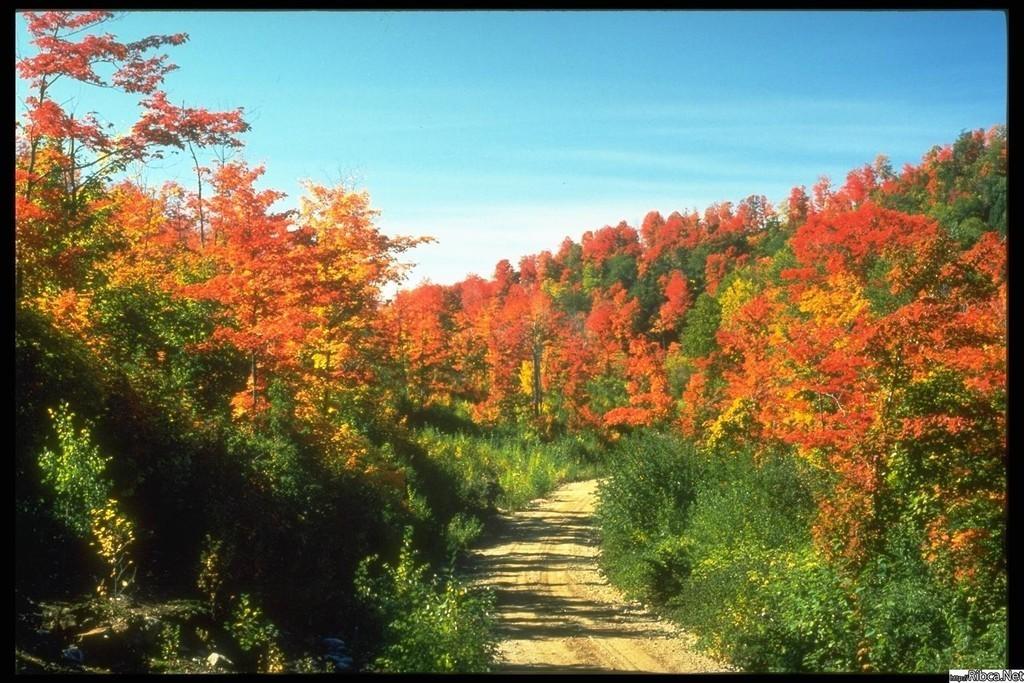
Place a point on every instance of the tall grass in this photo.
(509, 469)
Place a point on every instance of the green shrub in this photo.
(769, 610)
(809, 623)
(643, 508)
(75, 472)
(256, 636)
(913, 622)
(764, 502)
(723, 540)
(272, 462)
(169, 641)
(113, 537)
(753, 579)
(429, 624)
(462, 530)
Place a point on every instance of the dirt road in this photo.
(557, 613)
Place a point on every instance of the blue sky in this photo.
(500, 133)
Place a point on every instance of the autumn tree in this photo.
(674, 309)
(64, 158)
(167, 125)
(85, 145)
(424, 328)
(254, 259)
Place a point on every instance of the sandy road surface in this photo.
(556, 612)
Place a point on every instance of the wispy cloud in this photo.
(622, 175)
(732, 107)
(702, 165)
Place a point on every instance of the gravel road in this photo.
(557, 612)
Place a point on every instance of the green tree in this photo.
(75, 471)
(702, 321)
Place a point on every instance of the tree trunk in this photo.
(33, 148)
(199, 184)
(537, 350)
(253, 378)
